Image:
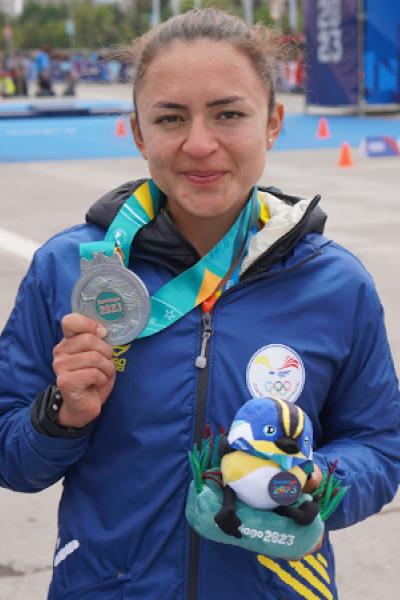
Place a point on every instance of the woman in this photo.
(262, 314)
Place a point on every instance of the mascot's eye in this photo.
(306, 441)
(269, 430)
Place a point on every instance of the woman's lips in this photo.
(203, 177)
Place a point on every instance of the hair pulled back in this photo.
(261, 44)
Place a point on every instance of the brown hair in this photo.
(261, 44)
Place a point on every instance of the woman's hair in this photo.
(259, 43)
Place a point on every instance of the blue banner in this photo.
(331, 28)
(382, 52)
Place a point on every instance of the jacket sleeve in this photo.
(361, 421)
(29, 460)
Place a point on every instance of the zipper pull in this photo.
(201, 360)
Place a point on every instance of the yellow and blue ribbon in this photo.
(189, 289)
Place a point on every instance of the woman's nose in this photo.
(200, 140)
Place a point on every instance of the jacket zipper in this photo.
(202, 364)
(201, 360)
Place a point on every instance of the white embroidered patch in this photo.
(66, 551)
(276, 371)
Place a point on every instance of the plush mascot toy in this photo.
(266, 460)
(247, 487)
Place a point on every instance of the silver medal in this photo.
(112, 295)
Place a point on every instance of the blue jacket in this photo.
(304, 321)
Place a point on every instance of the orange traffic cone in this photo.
(345, 159)
(323, 132)
(121, 129)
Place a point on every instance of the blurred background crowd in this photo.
(68, 41)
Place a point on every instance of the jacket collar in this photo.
(291, 218)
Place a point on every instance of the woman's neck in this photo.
(203, 233)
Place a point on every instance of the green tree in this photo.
(263, 15)
(233, 7)
(41, 26)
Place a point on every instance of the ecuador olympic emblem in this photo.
(276, 371)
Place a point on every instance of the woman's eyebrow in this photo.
(226, 100)
(217, 102)
(174, 105)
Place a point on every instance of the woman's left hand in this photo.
(314, 481)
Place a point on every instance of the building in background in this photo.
(13, 8)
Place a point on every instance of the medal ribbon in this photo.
(190, 288)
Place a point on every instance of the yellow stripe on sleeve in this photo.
(300, 588)
(316, 565)
(322, 559)
(308, 575)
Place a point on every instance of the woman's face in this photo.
(203, 126)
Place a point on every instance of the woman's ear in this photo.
(275, 124)
(137, 134)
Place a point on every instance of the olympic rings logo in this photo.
(280, 388)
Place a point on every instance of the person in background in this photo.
(7, 85)
(248, 298)
(20, 76)
(43, 72)
(70, 75)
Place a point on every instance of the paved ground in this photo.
(38, 199)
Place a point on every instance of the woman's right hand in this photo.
(83, 363)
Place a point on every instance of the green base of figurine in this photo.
(263, 531)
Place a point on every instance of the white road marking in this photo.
(17, 244)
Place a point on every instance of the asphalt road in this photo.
(37, 199)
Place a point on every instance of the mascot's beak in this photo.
(287, 445)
